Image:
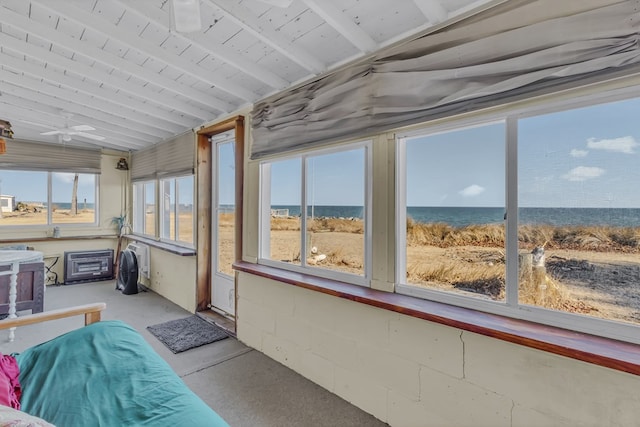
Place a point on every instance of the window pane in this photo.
(335, 211)
(284, 234)
(226, 207)
(579, 211)
(138, 207)
(167, 221)
(184, 189)
(455, 205)
(23, 198)
(73, 198)
(150, 208)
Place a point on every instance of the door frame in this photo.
(204, 193)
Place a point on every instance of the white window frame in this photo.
(265, 215)
(49, 201)
(139, 215)
(510, 307)
(161, 209)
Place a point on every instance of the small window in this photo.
(144, 208)
(176, 214)
(314, 212)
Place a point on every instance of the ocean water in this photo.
(460, 216)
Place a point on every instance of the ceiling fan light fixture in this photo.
(185, 16)
(66, 137)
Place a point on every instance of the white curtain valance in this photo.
(40, 156)
(173, 157)
(515, 49)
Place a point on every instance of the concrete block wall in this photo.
(409, 372)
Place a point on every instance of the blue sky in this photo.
(584, 157)
(335, 179)
(32, 186)
(226, 174)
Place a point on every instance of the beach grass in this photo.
(469, 259)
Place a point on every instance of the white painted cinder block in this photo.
(277, 295)
(558, 387)
(318, 369)
(294, 330)
(406, 412)
(281, 350)
(436, 346)
(249, 334)
(527, 417)
(410, 372)
(340, 350)
(367, 324)
(259, 316)
(359, 389)
(462, 403)
(389, 370)
(315, 308)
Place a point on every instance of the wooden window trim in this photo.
(610, 353)
(203, 195)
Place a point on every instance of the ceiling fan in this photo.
(67, 132)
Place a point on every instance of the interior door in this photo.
(223, 227)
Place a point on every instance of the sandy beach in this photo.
(586, 270)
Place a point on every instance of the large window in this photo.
(315, 212)
(167, 215)
(48, 198)
(455, 205)
(559, 243)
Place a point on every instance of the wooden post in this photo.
(525, 263)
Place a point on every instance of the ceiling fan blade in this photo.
(81, 128)
(89, 136)
(53, 132)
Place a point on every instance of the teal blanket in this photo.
(106, 374)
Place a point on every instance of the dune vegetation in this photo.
(583, 263)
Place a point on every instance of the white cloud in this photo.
(578, 153)
(65, 177)
(625, 144)
(472, 190)
(583, 173)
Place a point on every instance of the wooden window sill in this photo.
(174, 249)
(618, 355)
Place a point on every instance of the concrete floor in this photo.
(244, 386)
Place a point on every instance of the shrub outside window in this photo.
(563, 252)
(314, 213)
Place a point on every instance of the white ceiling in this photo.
(116, 65)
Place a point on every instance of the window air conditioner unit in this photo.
(142, 257)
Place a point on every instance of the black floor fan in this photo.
(128, 273)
